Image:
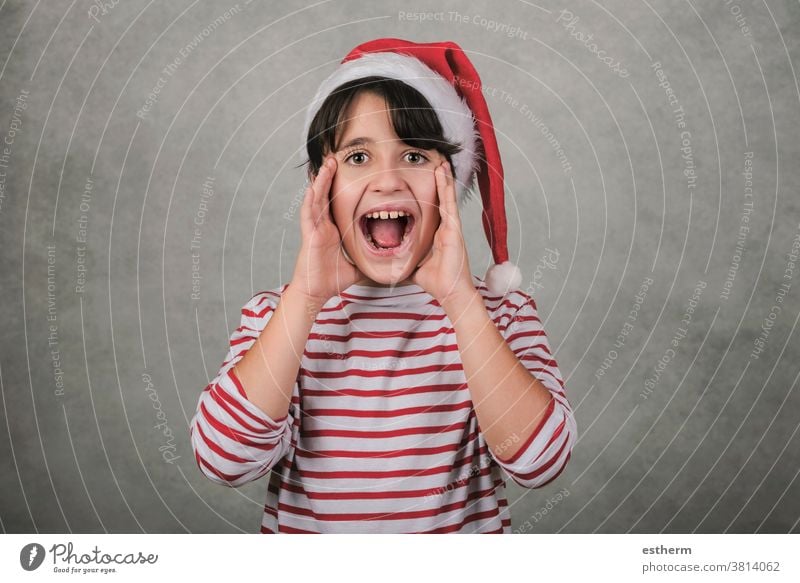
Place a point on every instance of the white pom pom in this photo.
(502, 278)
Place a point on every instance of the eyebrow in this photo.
(360, 141)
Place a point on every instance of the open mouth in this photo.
(387, 231)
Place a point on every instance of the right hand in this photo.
(321, 270)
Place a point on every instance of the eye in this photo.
(357, 154)
(417, 157)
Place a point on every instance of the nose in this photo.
(387, 178)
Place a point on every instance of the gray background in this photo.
(712, 448)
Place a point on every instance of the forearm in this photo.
(509, 401)
(269, 369)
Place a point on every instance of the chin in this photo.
(386, 273)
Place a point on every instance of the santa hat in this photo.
(444, 75)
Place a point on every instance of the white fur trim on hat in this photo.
(502, 278)
(454, 113)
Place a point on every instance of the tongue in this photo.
(386, 232)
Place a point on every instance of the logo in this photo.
(31, 556)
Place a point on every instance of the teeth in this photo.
(387, 214)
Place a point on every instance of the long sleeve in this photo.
(547, 450)
(234, 441)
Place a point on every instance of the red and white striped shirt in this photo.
(381, 434)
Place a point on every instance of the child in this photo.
(386, 388)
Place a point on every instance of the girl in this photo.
(386, 388)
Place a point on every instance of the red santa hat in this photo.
(444, 75)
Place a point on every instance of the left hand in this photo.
(445, 271)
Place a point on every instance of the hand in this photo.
(321, 270)
(445, 271)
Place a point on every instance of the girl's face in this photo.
(377, 172)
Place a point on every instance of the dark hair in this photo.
(414, 120)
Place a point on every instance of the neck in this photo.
(368, 282)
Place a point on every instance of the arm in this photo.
(514, 383)
(239, 434)
(242, 427)
(269, 369)
(516, 389)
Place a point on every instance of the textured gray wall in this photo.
(598, 172)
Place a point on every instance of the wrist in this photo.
(311, 305)
(460, 302)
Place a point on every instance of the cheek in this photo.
(342, 209)
(425, 193)
(423, 183)
(347, 179)
(430, 225)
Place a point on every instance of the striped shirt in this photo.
(381, 434)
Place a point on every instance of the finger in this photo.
(445, 206)
(450, 194)
(322, 186)
(315, 206)
(306, 219)
(329, 186)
